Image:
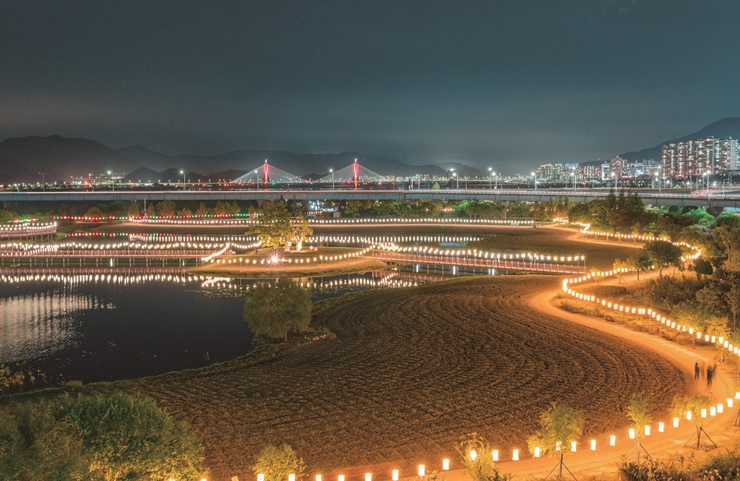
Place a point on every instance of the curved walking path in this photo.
(587, 463)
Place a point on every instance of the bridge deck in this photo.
(666, 197)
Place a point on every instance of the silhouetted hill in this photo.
(12, 172)
(300, 164)
(147, 157)
(142, 174)
(61, 157)
(727, 127)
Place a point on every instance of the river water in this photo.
(108, 327)
(93, 331)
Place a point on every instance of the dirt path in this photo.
(660, 445)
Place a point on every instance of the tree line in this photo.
(106, 438)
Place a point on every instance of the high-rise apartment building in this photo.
(618, 168)
(694, 158)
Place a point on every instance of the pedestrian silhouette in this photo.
(710, 374)
(697, 371)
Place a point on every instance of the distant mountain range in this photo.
(722, 129)
(23, 159)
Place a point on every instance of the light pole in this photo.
(183, 179)
(331, 171)
(457, 181)
(573, 176)
(43, 181)
(112, 184)
(490, 174)
(534, 176)
(258, 178)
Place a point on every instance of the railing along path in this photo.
(477, 262)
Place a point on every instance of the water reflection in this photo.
(105, 326)
(41, 323)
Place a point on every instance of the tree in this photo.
(619, 266)
(476, 455)
(7, 216)
(127, 437)
(94, 212)
(683, 405)
(663, 254)
(277, 462)
(102, 438)
(220, 208)
(301, 232)
(638, 413)
(640, 262)
(560, 426)
(579, 213)
(150, 212)
(702, 267)
(274, 310)
(430, 208)
(166, 208)
(732, 298)
(202, 210)
(700, 317)
(232, 208)
(133, 209)
(352, 207)
(274, 229)
(727, 236)
(34, 445)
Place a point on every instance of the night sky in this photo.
(494, 82)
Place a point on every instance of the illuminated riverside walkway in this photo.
(526, 265)
(27, 230)
(111, 253)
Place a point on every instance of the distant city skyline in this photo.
(517, 84)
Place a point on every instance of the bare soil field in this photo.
(411, 370)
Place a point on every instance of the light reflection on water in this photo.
(101, 331)
(105, 327)
(41, 323)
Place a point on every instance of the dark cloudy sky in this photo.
(492, 82)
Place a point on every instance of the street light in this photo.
(43, 181)
(112, 184)
(183, 179)
(257, 174)
(490, 174)
(457, 181)
(331, 171)
(573, 176)
(534, 176)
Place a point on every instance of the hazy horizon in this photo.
(422, 81)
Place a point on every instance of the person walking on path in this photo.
(710, 374)
(697, 371)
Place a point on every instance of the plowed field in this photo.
(409, 372)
